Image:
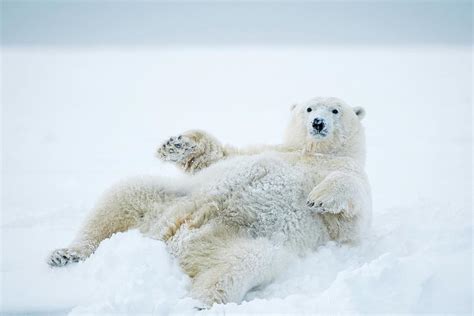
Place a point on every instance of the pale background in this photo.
(90, 89)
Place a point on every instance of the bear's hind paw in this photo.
(62, 257)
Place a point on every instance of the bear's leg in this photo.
(121, 208)
(237, 267)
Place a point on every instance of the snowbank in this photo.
(77, 121)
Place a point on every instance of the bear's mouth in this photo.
(319, 133)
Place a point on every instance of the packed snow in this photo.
(76, 121)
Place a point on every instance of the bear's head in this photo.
(327, 126)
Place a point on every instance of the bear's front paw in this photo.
(177, 149)
(326, 200)
(62, 257)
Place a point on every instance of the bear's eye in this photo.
(335, 111)
(309, 110)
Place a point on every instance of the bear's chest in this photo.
(266, 196)
(267, 176)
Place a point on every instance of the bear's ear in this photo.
(293, 106)
(359, 111)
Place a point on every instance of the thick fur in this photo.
(243, 214)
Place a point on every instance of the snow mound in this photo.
(76, 121)
(396, 269)
(130, 273)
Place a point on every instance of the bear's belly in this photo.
(266, 196)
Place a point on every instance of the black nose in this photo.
(318, 124)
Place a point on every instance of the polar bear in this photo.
(239, 216)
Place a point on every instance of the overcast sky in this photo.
(113, 23)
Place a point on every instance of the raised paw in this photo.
(176, 149)
(62, 257)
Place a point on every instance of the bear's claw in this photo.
(319, 207)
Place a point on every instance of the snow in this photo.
(76, 121)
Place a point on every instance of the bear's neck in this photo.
(353, 147)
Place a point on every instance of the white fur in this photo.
(243, 214)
